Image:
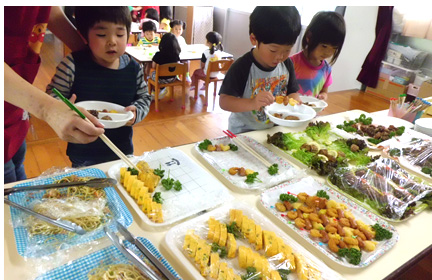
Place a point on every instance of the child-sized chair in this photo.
(214, 66)
(169, 69)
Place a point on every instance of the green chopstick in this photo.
(65, 100)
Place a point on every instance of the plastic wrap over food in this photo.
(242, 168)
(90, 208)
(344, 231)
(168, 187)
(415, 154)
(385, 188)
(236, 242)
(107, 263)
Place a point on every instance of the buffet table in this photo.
(414, 234)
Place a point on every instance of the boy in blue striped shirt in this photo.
(103, 73)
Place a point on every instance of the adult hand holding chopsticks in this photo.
(73, 128)
(65, 122)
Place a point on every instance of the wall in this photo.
(360, 36)
(360, 22)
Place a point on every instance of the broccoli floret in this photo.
(323, 194)
(288, 197)
(233, 147)
(158, 198)
(381, 233)
(273, 169)
(353, 255)
(204, 144)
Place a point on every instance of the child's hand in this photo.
(262, 99)
(323, 96)
(295, 96)
(131, 108)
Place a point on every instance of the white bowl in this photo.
(303, 112)
(319, 104)
(118, 119)
(424, 125)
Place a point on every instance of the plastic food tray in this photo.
(223, 161)
(40, 245)
(175, 237)
(310, 186)
(80, 268)
(201, 191)
(385, 121)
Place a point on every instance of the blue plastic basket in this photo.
(42, 245)
(80, 268)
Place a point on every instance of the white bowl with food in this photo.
(289, 115)
(424, 125)
(111, 115)
(317, 104)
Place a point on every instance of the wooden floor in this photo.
(170, 127)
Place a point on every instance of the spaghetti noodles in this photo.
(116, 272)
(84, 206)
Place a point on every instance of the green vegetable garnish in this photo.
(217, 248)
(233, 147)
(274, 169)
(159, 172)
(177, 185)
(381, 233)
(168, 183)
(251, 274)
(203, 145)
(353, 255)
(287, 197)
(133, 171)
(157, 197)
(323, 194)
(233, 228)
(251, 178)
(284, 273)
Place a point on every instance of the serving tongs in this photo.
(64, 224)
(131, 256)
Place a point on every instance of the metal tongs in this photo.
(142, 266)
(67, 225)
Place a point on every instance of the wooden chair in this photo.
(214, 66)
(170, 69)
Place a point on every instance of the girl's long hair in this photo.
(216, 41)
(325, 28)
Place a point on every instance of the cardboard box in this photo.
(425, 90)
(387, 89)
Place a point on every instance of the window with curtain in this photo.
(414, 21)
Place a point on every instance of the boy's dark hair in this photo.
(87, 16)
(152, 13)
(275, 25)
(178, 22)
(148, 26)
(216, 40)
(325, 28)
(169, 44)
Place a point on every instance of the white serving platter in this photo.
(175, 237)
(223, 161)
(311, 186)
(201, 191)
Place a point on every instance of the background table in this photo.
(414, 234)
(191, 52)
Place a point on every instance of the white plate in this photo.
(310, 186)
(222, 161)
(200, 192)
(118, 119)
(319, 103)
(175, 237)
(303, 112)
